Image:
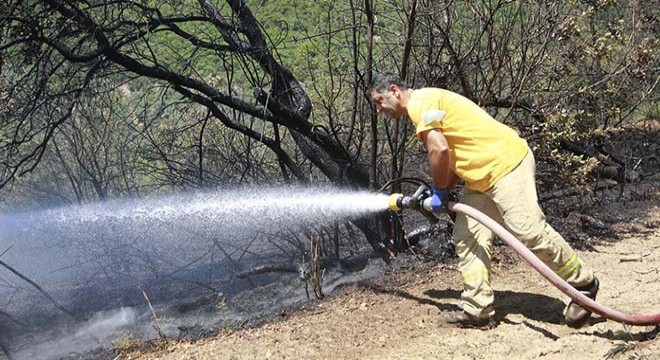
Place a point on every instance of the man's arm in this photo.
(439, 158)
(453, 180)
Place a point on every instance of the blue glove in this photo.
(437, 199)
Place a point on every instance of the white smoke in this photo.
(100, 330)
(104, 323)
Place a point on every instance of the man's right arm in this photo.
(439, 158)
(453, 180)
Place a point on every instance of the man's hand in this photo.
(438, 197)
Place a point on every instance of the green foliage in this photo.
(564, 74)
(572, 169)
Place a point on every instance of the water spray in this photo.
(421, 201)
(89, 260)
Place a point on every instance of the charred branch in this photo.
(271, 143)
(610, 169)
(39, 288)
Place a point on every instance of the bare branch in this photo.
(40, 289)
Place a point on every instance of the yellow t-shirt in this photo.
(482, 149)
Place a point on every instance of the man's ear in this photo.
(394, 90)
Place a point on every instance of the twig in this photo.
(153, 314)
(316, 274)
(646, 272)
(41, 290)
(635, 258)
(7, 249)
(264, 269)
(5, 350)
(304, 273)
(13, 319)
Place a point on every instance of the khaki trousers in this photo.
(513, 201)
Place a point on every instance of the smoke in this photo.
(100, 330)
(105, 323)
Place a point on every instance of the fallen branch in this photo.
(635, 258)
(13, 319)
(41, 290)
(354, 264)
(265, 269)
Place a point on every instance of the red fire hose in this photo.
(543, 269)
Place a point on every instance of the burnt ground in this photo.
(396, 316)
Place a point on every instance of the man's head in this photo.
(389, 95)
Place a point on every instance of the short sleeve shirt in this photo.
(482, 149)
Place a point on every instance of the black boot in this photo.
(463, 319)
(576, 315)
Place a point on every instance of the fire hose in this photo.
(398, 202)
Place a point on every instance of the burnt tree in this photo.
(53, 50)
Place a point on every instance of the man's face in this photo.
(388, 102)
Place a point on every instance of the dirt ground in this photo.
(396, 316)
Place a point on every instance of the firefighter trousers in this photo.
(513, 202)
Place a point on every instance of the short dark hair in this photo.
(381, 82)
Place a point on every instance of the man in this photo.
(464, 141)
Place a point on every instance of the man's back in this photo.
(483, 149)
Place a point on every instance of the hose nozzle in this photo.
(398, 202)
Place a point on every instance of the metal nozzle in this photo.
(420, 201)
(399, 201)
